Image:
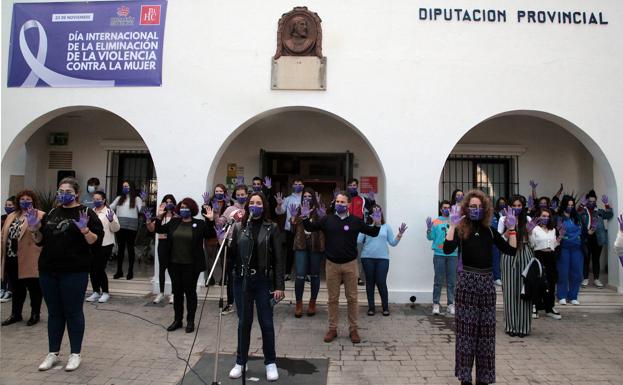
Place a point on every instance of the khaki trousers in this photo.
(336, 274)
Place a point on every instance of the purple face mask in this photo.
(340, 208)
(544, 221)
(517, 211)
(569, 209)
(185, 212)
(241, 200)
(256, 211)
(9, 209)
(257, 188)
(476, 214)
(445, 212)
(298, 188)
(591, 205)
(98, 203)
(25, 205)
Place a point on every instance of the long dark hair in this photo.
(575, 217)
(522, 218)
(453, 196)
(132, 194)
(314, 201)
(169, 196)
(265, 212)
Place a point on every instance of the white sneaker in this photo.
(6, 297)
(584, 282)
(236, 371)
(451, 309)
(436, 309)
(93, 297)
(50, 360)
(562, 302)
(104, 298)
(159, 298)
(598, 283)
(171, 299)
(73, 362)
(554, 314)
(498, 282)
(575, 302)
(271, 372)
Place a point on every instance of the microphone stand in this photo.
(226, 240)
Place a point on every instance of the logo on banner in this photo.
(123, 17)
(123, 11)
(150, 15)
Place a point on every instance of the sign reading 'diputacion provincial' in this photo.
(87, 44)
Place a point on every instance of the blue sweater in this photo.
(573, 236)
(438, 235)
(376, 247)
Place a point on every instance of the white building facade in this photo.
(407, 91)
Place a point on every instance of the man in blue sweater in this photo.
(340, 232)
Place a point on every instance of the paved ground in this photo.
(409, 347)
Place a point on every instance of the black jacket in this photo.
(270, 257)
(534, 283)
(201, 230)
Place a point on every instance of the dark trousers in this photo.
(99, 279)
(593, 255)
(475, 327)
(64, 297)
(376, 270)
(289, 251)
(307, 262)
(125, 238)
(548, 260)
(184, 283)
(19, 287)
(163, 260)
(497, 272)
(257, 291)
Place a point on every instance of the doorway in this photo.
(324, 172)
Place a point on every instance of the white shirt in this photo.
(618, 243)
(109, 227)
(543, 239)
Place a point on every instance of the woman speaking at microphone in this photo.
(258, 278)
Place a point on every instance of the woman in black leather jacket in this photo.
(256, 249)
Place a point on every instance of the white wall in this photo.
(89, 131)
(298, 131)
(412, 88)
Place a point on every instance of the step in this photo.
(591, 299)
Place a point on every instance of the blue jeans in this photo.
(445, 268)
(497, 273)
(376, 270)
(64, 297)
(307, 262)
(258, 292)
(570, 266)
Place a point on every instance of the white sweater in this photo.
(128, 217)
(109, 227)
(543, 240)
(618, 243)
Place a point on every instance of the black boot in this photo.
(175, 325)
(130, 275)
(190, 326)
(12, 319)
(34, 319)
(466, 383)
(118, 274)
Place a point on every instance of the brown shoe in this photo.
(331, 335)
(354, 337)
(311, 308)
(298, 311)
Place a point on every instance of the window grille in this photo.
(497, 176)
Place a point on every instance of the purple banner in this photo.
(87, 44)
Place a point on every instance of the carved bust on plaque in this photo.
(299, 34)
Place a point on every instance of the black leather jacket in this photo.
(270, 257)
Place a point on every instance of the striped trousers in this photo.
(475, 327)
(517, 312)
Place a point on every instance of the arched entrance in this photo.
(502, 153)
(84, 142)
(321, 147)
(317, 146)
